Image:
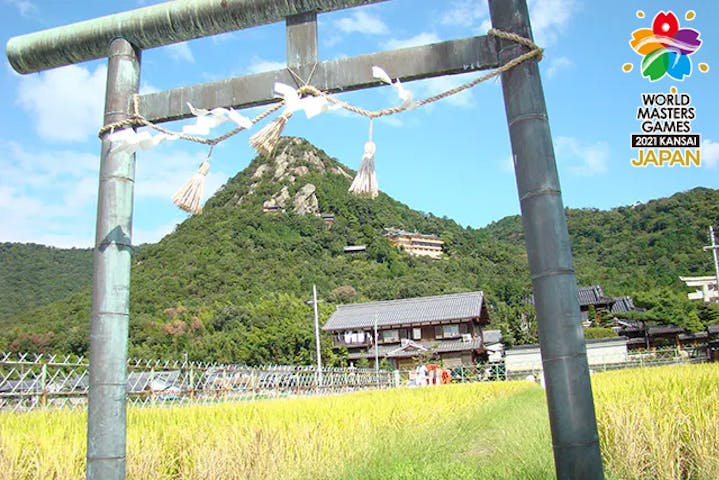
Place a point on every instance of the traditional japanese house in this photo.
(593, 298)
(444, 327)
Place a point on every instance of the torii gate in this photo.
(123, 36)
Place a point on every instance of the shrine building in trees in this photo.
(445, 328)
(415, 243)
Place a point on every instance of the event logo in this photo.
(665, 118)
(666, 125)
(666, 49)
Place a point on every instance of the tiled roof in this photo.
(395, 232)
(421, 310)
(623, 305)
(593, 295)
(664, 330)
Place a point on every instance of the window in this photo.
(450, 331)
(417, 333)
(354, 337)
(390, 335)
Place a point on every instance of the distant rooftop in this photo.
(623, 305)
(440, 308)
(594, 295)
(395, 232)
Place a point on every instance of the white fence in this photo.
(30, 381)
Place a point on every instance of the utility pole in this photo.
(714, 247)
(317, 336)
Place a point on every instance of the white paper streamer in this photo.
(311, 105)
(404, 94)
(129, 141)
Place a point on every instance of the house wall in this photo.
(456, 359)
(598, 353)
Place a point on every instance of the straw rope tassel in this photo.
(266, 139)
(365, 182)
(189, 197)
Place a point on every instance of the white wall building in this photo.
(599, 352)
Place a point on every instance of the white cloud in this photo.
(507, 165)
(47, 196)
(484, 26)
(464, 13)
(582, 158)
(557, 64)
(549, 18)
(419, 39)
(223, 38)
(180, 52)
(260, 65)
(146, 88)
(361, 22)
(66, 104)
(23, 6)
(434, 86)
(50, 196)
(160, 172)
(710, 153)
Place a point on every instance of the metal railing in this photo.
(29, 381)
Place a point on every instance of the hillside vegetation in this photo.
(232, 284)
(35, 275)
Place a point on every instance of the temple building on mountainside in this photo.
(446, 328)
(415, 243)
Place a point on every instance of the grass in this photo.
(654, 423)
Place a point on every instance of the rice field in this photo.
(657, 423)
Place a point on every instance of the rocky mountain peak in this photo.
(280, 182)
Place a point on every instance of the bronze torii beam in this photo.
(121, 38)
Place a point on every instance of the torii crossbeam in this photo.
(122, 37)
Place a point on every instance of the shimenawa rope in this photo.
(189, 196)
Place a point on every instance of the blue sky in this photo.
(451, 158)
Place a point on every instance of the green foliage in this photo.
(630, 249)
(666, 306)
(517, 321)
(709, 313)
(598, 332)
(362, 363)
(34, 275)
(231, 284)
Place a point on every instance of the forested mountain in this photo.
(231, 284)
(34, 275)
(630, 249)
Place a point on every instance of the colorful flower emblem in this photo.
(665, 47)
